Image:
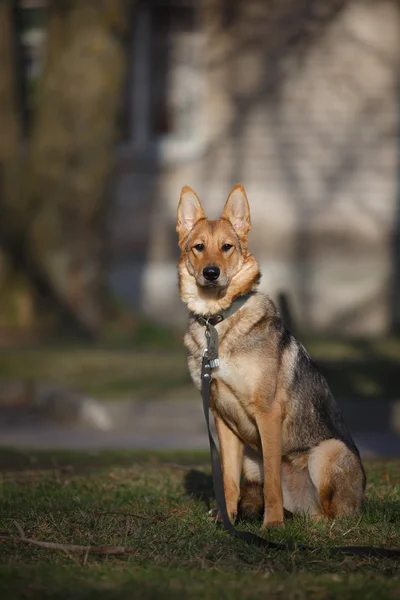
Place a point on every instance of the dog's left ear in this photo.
(237, 211)
(189, 212)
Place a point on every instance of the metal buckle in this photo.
(206, 367)
(212, 345)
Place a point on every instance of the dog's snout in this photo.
(211, 273)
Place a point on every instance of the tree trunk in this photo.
(60, 211)
(15, 289)
(9, 118)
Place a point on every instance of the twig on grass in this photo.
(20, 530)
(71, 547)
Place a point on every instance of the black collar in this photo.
(223, 314)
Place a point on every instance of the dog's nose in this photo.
(211, 273)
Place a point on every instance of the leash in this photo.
(211, 360)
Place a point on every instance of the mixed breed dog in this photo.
(285, 448)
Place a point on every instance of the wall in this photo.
(299, 103)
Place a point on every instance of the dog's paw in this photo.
(267, 524)
(215, 515)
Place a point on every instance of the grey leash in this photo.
(210, 361)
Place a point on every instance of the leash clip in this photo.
(215, 363)
(212, 345)
(206, 367)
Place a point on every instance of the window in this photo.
(31, 22)
(167, 82)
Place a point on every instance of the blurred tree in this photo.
(53, 196)
(9, 121)
(15, 295)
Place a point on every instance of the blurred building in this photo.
(299, 101)
(31, 22)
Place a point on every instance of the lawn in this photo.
(155, 506)
(152, 364)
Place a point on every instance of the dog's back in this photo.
(312, 414)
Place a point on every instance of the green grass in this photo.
(156, 504)
(152, 364)
(103, 372)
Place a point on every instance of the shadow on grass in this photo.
(199, 485)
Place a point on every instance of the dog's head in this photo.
(215, 265)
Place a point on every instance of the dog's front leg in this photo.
(231, 449)
(269, 423)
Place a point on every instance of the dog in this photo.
(276, 420)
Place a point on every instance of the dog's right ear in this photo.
(189, 212)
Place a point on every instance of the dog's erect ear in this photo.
(189, 212)
(237, 211)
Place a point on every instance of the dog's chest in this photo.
(233, 398)
(233, 386)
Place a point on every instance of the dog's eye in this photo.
(226, 247)
(199, 247)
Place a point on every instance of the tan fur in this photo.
(256, 411)
(251, 500)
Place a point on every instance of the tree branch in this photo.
(105, 550)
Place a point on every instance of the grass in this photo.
(103, 371)
(151, 363)
(156, 503)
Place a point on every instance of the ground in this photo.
(155, 506)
